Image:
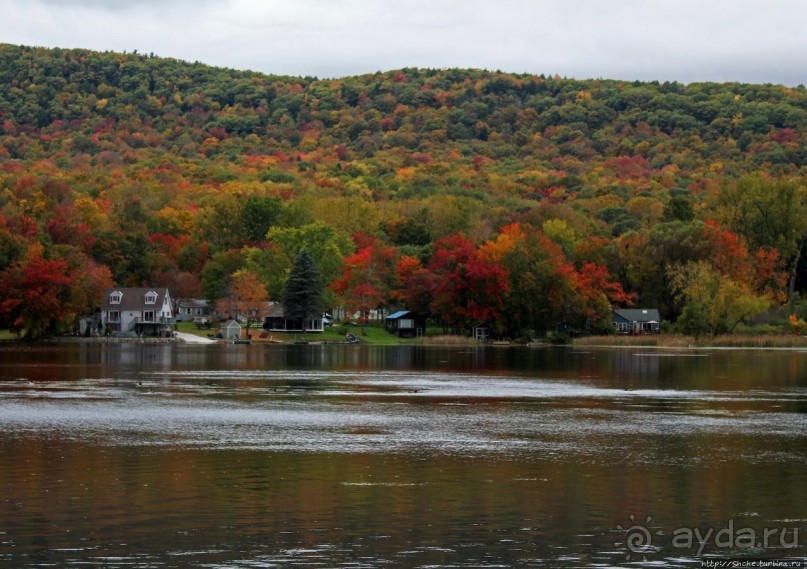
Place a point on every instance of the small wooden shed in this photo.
(231, 330)
(406, 323)
(480, 331)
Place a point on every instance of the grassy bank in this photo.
(680, 341)
(372, 335)
(336, 334)
(6, 336)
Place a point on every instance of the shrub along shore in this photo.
(680, 341)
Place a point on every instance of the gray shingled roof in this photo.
(134, 299)
(639, 314)
(191, 302)
(275, 310)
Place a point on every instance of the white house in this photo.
(141, 311)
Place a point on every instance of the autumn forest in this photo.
(469, 196)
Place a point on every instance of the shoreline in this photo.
(659, 342)
(107, 340)
(687, 348)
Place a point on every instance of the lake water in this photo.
(356, 456)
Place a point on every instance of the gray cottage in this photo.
(187, 309)
(636, 320)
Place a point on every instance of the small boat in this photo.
(351, 338)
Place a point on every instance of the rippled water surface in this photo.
(351, 456)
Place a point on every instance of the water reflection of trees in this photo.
(712, 370)
(149, 500)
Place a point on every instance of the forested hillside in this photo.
(518, 200)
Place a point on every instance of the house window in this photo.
(113, 316)
(151, 297)
(148, 316)
(115, 297)
(406, 323)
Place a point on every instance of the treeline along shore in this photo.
(531, 205)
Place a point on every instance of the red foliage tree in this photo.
(542, 284)
(630, 167)
(468, 286)
(365, 281)
(597, 291)
(415, 285)
(35, 294)
(65, 227)
(729, 254)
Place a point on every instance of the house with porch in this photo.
(276, 321)
(636, 320)
(137, 311)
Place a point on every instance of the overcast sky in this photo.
(684, 40)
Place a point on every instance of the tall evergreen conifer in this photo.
(302, 295)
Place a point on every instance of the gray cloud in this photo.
(114, 5)
(683, 40)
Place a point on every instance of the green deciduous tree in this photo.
(642, 259)
(712, 298)
(558, 231)
(769, 212)
(325, 245)
(259, 215)
(218, 273)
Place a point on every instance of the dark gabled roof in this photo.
(399, 314)
(639, 314)
(192, 303)
(134, 298)
(275, 311)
